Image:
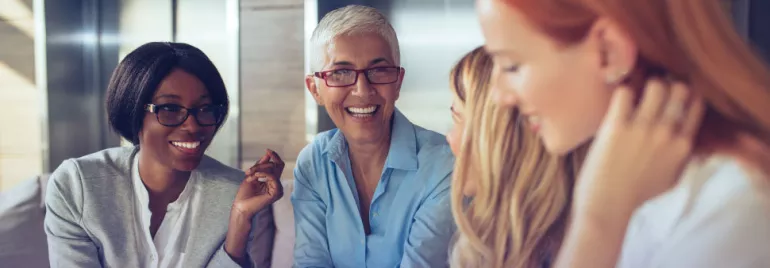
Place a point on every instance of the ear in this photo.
(312, 87)
(617, 50)
(400, 81)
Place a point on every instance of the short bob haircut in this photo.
(139, 74)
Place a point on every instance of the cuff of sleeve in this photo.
(222, 259)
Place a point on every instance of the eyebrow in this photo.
(372, 62)
(501, 52)
(176, 97)
(378, 60)
(167, 96)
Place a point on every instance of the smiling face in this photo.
(178, 148)
(362, 111)
(560, 89)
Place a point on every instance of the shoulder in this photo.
(435, 161)
(718, 209)
(106, 163)
(716, 186)
(717, 205)
(92, 177)
(313, 152)
(433, 151)
(723, 185)
(213, 170)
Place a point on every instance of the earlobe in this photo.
(313, 89)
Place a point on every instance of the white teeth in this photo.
(366, 110)
(188, 145)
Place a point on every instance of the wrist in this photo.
(240, 218)
(605, 212)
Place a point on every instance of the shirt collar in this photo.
(402, 153)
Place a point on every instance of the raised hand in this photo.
(261, 187)
(640, 151)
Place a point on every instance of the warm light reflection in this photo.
(15, 13)
(20, 148)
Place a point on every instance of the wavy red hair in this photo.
(690, 40)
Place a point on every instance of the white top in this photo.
(717, 216)
(168, 248)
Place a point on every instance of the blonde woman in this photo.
(674, 105)
(469, 76)
(520, 194)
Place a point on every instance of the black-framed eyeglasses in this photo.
(172, 115)
(349, 77)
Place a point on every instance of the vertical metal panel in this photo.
(73, 75)
(213, 26)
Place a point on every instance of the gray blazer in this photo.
(90, 210)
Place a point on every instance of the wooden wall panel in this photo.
(272, 85)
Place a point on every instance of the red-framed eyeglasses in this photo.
(348, 77)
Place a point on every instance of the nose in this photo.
(362, 87)
(191, 124)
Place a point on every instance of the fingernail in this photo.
(262, 179)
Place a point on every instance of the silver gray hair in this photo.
(350, 20)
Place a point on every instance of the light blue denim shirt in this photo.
(410, 216)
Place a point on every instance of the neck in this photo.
(161, 182)
(369, 156)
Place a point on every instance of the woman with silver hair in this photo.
(375, 191)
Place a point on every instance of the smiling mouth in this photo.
(187, 147)
(363, 112)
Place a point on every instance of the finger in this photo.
(275, 158)
(261, 167)
(674, 109)
(267, 182)
(264, 177)
(621, 104)
(654, 96)
(693, 118)
(262, 161)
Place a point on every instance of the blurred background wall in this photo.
(56, 57)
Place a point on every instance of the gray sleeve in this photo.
(69, 244)
(222, 259)
(261, 237)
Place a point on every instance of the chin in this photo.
(556, 146)
(186, 165)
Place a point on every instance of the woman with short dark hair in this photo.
(162, 202)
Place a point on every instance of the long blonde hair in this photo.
(519, 212)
